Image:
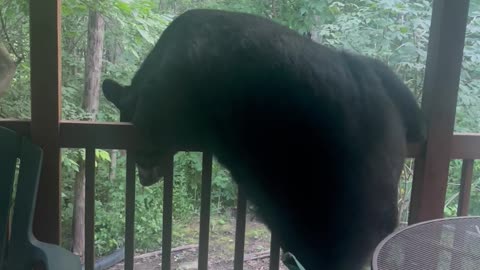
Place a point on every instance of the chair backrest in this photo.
(11, 148)
(9, 152)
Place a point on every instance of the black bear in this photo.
(316, 137)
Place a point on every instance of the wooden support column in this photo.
(46, 107)
(442, 76)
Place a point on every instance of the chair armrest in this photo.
(55, 257)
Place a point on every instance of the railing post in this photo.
(46, 72)
(442, 76)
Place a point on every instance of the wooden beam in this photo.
(442, 76)
(46, 72)
(465, 146)
(80, 134)
(21, 127)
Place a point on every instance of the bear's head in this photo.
(151, 162)
(121, 96)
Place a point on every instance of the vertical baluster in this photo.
(240, 230)
(130, 212)
(465, 187)
(274, 253)
(167, 216)
(205, 211)
(89, 208)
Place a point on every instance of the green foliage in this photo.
(468, 107)
(395, 32)
(300, 15)
(14, 34)
(224, 190)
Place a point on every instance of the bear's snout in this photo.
(149, 176)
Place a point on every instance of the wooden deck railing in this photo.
(94, 135)
(108, 135)
(440, 91)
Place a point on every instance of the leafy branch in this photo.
(3, 25)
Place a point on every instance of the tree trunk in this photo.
(113, 165)
(161, 6)
(93, 67)
(93, 63)
(112, 52)
(274, 9)
(78, 224)
(7, 70)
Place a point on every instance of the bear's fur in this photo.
(316, 137)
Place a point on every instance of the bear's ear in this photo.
(113, 91)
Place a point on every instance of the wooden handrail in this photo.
(81, 134)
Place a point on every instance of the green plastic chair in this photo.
(23, 250)
(291, 262)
